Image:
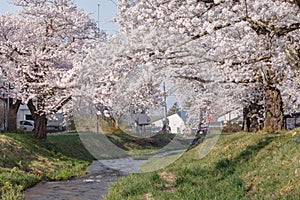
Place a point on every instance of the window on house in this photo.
(28, 117)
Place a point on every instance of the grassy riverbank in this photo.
(240, 166)
(25, 161)
(118, 145)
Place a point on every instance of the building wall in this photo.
(229, 116)
(23, 114)
(175, 122)
(292, 122)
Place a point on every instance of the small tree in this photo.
(174, 109)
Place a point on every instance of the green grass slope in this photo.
(240, 166)
(25, 161)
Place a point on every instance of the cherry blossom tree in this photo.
(250, 42)
(39, 46)
(116, 83)
(9, 28)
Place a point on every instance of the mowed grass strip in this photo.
(25, 161)
(240, 166)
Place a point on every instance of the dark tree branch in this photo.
(194, 78)
(252, 61)
(63, 102)
(221, 26)
(32, 109)
(297, 2)
(261, 27)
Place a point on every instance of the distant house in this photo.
(292, 121)
(176, 123)
(140, 119)
(233, 115)
(216, 124)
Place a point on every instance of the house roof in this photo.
(181, 114)
(296, 114)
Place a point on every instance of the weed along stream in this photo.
(94, 185)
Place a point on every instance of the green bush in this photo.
(232, 127)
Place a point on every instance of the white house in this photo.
(176, 123)
(23, 114)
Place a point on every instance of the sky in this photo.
(107, 8)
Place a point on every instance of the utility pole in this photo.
(98, 21)
(4, 111)
(166, 120)
(99, 16)
(165, 102)
(7, 112)
(97, 122)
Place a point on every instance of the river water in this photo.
(93, 186)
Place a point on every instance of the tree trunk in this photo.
(40, 127)
(273, 108)
(246, 120)
(117, 121)
(40, 118)
(40, 122)
(12, 115)
(251, 117)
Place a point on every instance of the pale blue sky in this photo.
(107, 12)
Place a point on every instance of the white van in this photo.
(26, 125)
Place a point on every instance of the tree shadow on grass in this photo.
(67, 145)
(227, 169)
(129, 142)
(228, 166)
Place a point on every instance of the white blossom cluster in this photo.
(111, 80)
(38, 47)
(247, 43)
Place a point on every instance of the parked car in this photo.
(26, 125)
(190, 131)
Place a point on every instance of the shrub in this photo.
(232, 127)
